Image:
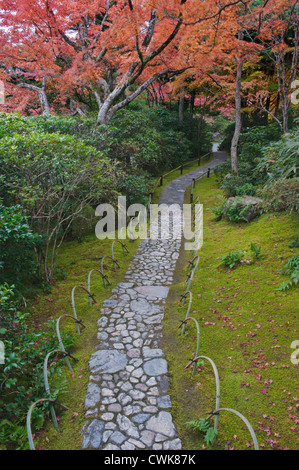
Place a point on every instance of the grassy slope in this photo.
(246, 328)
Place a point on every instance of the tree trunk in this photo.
(41, 94)
(111, 104)
(238, 119)
(192, 102)
(181, 107)
(44, 102)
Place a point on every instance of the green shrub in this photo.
(235, 211)
(218, 209)
(231, 184)
(14, 123)
(281, 158)
(232, 259)
(252, 142)
(81, 127)
(17, 242)
(141, 138)
(21, 375)
(281, 195)
(54, 177)
(247, 189)
(135, 188)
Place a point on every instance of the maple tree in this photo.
(76, 56)
(111, 51)
(232, 60)
(280, 38)
(97, 48)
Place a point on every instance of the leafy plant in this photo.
(280, 159)
(17, 244)
(247, 189)
(231, 185)
(291, 268)
(294, 243)
(218, 209)
(232, 259)
(203, 426)
(235, 211)
(21, 375)
(281, 195)
(256, 250)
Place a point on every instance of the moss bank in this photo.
(246, 328)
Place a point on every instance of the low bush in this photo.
(140, 138)
(14, 123)
(247, 189)
(232, 259)
(235, 211)
(21, 375)
(231, 184)
(17, 243)
(280, 159)
(54, 177)
(281, 195)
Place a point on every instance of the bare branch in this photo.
(150, 29)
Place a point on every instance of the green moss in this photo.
(76, 260)
(242, 320)
(246, 328)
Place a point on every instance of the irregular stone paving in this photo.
(127, 401)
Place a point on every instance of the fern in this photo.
(232, 258)
(290, 268)
(256, 250)
(203, 426)
(292, 281)
(294, 243)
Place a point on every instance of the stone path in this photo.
(127, 402)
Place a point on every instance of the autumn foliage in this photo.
(75, 55)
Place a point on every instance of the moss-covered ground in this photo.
(76, 260)
(246, 328)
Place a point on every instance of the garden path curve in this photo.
(127, 402)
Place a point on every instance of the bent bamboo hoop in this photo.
(104, 279)
(190, 277)
(73, 302)
(115, 263)
(61, 345)
(197, 341)
(191, 263)
(188, 309)
(47, 387)
(217, 385)
(124, 248)
(28, 420)
(245, 420)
